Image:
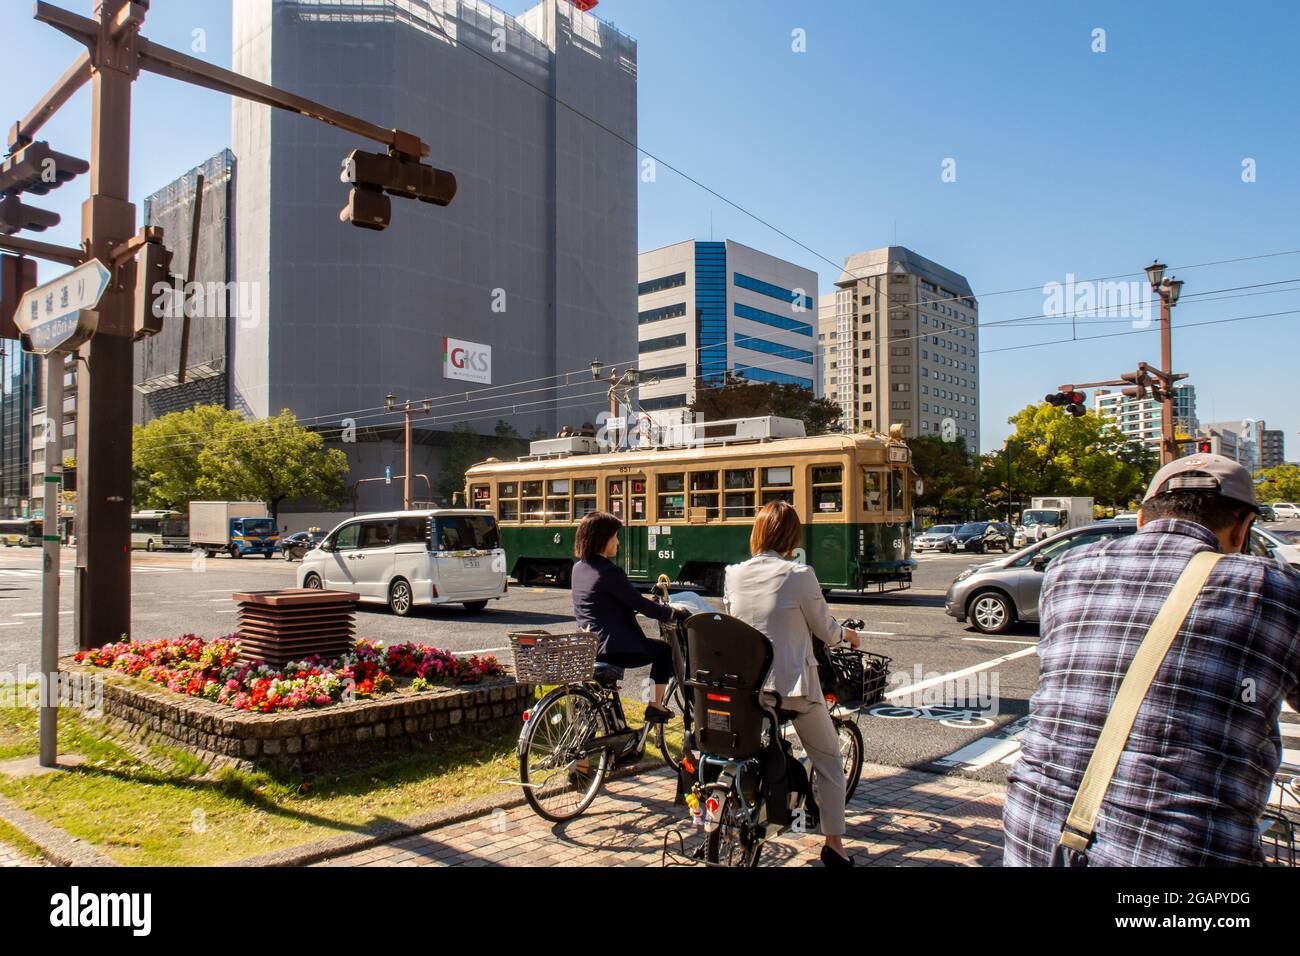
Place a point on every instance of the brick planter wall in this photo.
(308, 740)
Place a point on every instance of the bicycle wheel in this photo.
(559, 780)
(674, 701)
(732, 843)
(851, 751)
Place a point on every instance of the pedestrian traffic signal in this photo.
(1070, 402)
(152, 269)
(1205, 447)
(376, 176)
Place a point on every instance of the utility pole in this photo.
(115, 54)
(390, 402)
(1167, 288)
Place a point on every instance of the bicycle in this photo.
(574, 735)
(733, 788)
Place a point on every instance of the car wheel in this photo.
(400, 598)
(148, 546)
(288, 555)
(312, 581)
(474, 607)
(991, 612)
(234, 552)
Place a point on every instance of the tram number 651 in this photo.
(667, 555)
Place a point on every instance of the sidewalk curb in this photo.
(389, 830)
(56, 845)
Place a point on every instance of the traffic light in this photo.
(152, 266)
(1140, 382)
(34, 168)
(1205, 447)
(17, 278)
(376, 176)
(1070, 402)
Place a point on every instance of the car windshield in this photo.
(258, 526)
(941, 529)
(975, 527)
(1032, 518)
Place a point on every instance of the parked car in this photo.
(1285, 510)
(996, 595)
(981, 536)
(408, 558)
(1266, 513)
(1125, 516)
(936, 537)
(295, 546)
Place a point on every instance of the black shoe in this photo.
(831, 859)
(657, 714)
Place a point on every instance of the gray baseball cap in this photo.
(1200, 472)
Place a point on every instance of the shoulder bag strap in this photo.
(1081, 823)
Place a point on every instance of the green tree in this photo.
(1053, 453)
(737, 397)
(1280, 483)
(271, 460)
(951, 480)
(165, 454)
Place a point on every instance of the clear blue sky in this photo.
(1067, 161)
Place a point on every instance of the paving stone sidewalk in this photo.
(896, 818)
(12, 856)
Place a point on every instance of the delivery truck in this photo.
(238, 528)
(1046, 516)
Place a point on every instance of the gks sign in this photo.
(466, 361)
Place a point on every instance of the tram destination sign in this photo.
(59, 315)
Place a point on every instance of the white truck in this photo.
(237, 527)
(1046, 516)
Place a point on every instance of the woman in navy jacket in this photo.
(604, 601)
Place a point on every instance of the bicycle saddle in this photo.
(608, 675)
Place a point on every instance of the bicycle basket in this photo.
(857, 678)
(545, 658)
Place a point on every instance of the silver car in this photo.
(938, 537)
(995, 595)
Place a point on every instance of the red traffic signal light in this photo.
(1205, 447)
(1071, 402)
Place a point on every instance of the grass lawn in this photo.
(141, 815)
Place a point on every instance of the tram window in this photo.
(778, 485)
(738, 503)
(616, 500)
(531, 507)
(828, 489)
(508, 501)
(481, 496)
(557, 499)
(872, 490)
(704, 493)
(896, 489)
(584, 496)
(672, 501)
(638, 500)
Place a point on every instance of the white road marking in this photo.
(36, 613)
(994, 640)
(942, 678)
(12, 623)
(1003, 747)
(1289, 730)
(879, 633)
(483, 650)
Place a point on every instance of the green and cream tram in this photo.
(688, 512)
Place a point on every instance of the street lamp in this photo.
(1156, 272)
(389, 401)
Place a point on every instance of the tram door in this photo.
(628, 503)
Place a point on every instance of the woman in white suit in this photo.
(773, 594)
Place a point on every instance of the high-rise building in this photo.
(902, 346)
(528, 274)
(1240, 437)
(706, 309)
(1272, 447)
(21, 391)
(1139, 418)
(215, 302)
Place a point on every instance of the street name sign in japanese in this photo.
(59, 316)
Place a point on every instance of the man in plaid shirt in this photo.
(1196, 772)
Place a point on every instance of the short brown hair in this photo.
(777, 528)
(594, 533)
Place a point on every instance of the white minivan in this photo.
(407, 558)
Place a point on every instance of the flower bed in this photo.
(212, 670)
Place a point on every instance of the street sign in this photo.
(58, 316)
